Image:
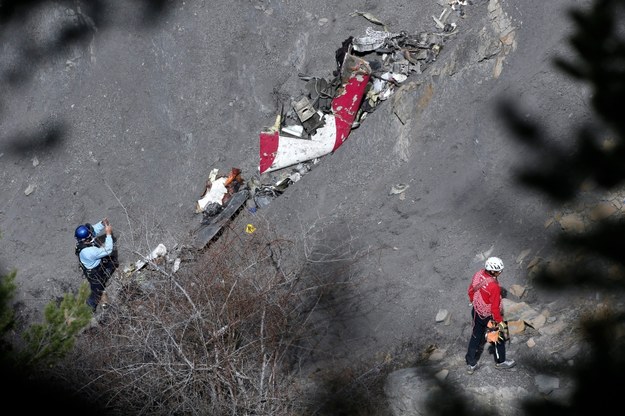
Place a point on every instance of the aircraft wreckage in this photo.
(320, 122)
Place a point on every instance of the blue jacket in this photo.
(91, 257)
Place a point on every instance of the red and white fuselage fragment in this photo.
(278, 151)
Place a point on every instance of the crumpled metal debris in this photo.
(263, 194)
(458, 6)
(398, 188)
(392, 58)
(372, 40)
(370, 18)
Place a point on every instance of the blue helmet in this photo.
(83, 231)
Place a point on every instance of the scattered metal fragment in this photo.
(29, 189)
(440, 24)
(398, 188)
(176, 265)
(370, 18)
(372, 40)
(212, 226)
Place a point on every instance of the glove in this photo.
(492, 333)
(492, 336)
(496, 332)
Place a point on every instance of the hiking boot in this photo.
(104, 300)
(471, 368)
(505, 365)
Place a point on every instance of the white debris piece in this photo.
(159, 251)
(29, 190)
(442, 315)
(176, 265)
(398, 188)
(214, 194)
(295, 130)
(372, 40)
(399, 78)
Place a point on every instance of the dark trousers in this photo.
(477, 341)
(97, 278)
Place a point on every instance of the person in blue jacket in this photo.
(96, 259)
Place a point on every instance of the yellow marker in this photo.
(250, 229)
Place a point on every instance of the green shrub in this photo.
(7, 291)
(49, 341)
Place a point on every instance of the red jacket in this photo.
(485, 295)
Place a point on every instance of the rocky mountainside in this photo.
(145, 115)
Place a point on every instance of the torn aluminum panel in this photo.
(372, 40)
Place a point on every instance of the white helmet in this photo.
(494, 264)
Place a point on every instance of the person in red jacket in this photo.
(485, 297)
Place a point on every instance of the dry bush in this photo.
(224, 335)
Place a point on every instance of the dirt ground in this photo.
(146, 113)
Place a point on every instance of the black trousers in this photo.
(97, 278)
(477, 341)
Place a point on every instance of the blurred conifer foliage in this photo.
(594, 159)
(592, 167)
(587, 170)
(21, 55)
